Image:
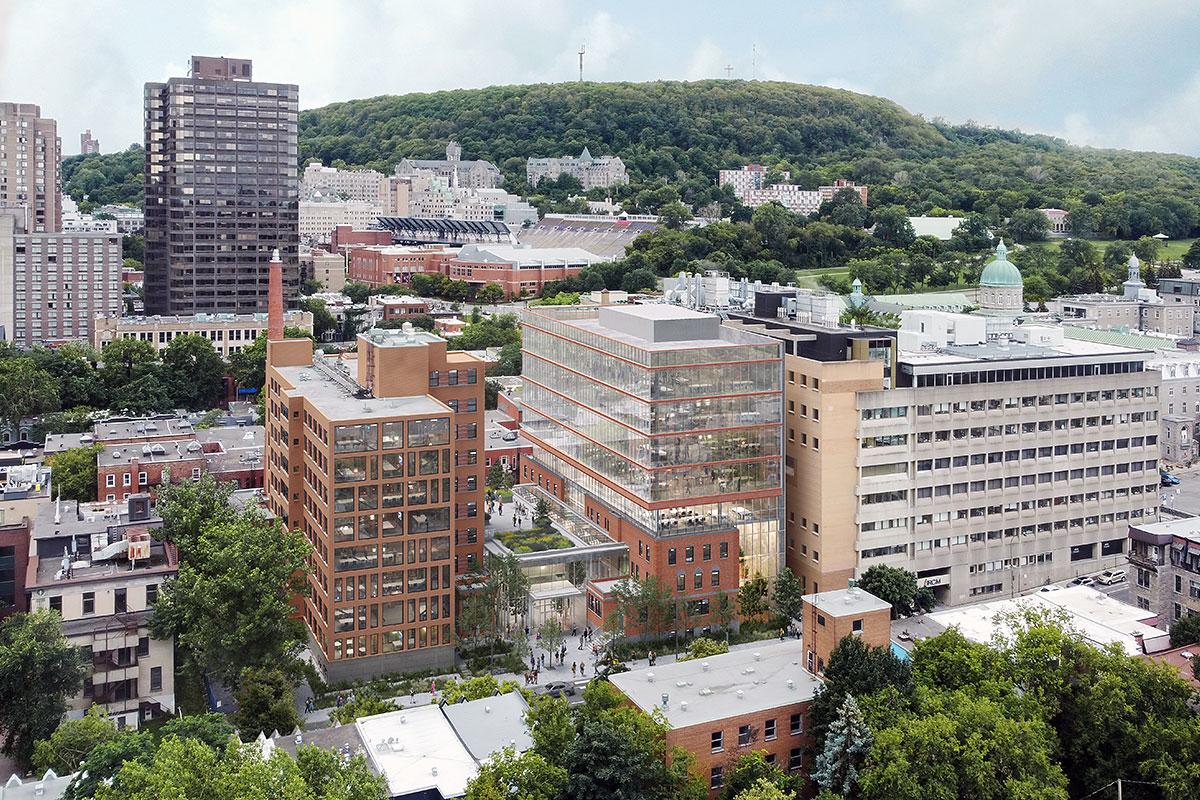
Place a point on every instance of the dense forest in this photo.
(674, 136)
(110, 178)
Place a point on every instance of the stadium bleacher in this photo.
(606, 236)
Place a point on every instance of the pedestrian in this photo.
(650, 657)
(412, 695)
(782, 634)
(572, 669)
(433, 688)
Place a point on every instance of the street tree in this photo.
(552, 728)
(39, 670)
(856, 668)
(552, 633)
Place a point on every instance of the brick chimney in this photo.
(275, 299)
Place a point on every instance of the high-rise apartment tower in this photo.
(222, 188)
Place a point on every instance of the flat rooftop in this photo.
(741, 682)
(1184, 528)
(661, 326)
(440, 747)
(334, 400)
(1014, 351)
(841, 602)
(72, 518)
(118, 567)
(1100, 619)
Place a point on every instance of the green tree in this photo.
(123, 361)
(753, 597)
(188, 507)
(528, 776)
(25, 390)
(856, 668)
(212, 728)
(892, 226)
(189, 768)
(248, 366)
(364, 704)
(552, 728)
(1146, 249)
(1173, 760)
(195, 372)
(1191, 259)
(763, 789)
(639, 280)
(1185, 630)
(107, 759)
(230, 606)
(489, 293)
(788, 594)
(674, 214)
(1028, 225)
(499, 477)
(541, 515)
(552, 634)
(73, 472)
(71, 742)
(38, 672)
(723, 611)
(752, 769)
(897, 586)
(323, 320)
(703, 647)
(476, 688)
(265, 702)
(961, 746)
(622, 753)
(846, 747)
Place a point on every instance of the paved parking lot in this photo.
(1184, 498)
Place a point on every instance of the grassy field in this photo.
(1172, 249)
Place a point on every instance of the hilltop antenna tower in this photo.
(753, 62)
(728, 71)
(582, 50)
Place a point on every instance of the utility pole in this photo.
(1120, 794)
(582, 49)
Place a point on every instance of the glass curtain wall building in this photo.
(663, 427)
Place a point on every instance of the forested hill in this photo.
(674, 136)
(681, 133)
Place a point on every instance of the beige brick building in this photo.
(989, 459)
(229, 333)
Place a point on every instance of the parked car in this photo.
(1167, 479)
(560, 689)
(1050, 587)
(1084, 580)
(1111, 576)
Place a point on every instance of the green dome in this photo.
(1001, 272)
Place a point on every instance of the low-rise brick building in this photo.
(726, 706)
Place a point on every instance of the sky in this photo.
(1106, 73)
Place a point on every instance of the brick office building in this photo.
(662, 428)
(377, 460)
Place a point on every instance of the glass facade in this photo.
(696, 424)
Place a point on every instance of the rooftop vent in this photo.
(740, 694)
(683, 705)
